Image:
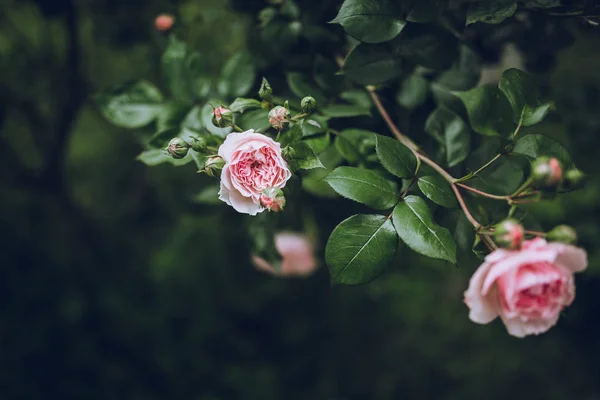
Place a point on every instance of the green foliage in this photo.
(132, 105)
(437, 190)
(360, 248)
(364, 186)
(489, 111)
(370, 21)
(415, 226)
(184, 71)
(238, 76)
(240, 105)
(536, 145)
(452, 134)
(396, 158)
(491, 12)
(522, 91)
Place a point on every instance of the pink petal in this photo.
(570, 257)
(483, 309)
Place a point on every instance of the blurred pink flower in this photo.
(297, 254)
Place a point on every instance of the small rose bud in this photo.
(177, 148)
(213, 165)
(546, 172)
(199, 145)
(164, 22)
(272, 199)
(279, 117)
(509, 233)
(563, 234)
(222, 117)
(308, 104)
(265, 92)
(574, 179)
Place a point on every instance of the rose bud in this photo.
(288, 152)
(574, 179)
(297, 256)
(177, 148)
(199, 145)
(509, 234)
(563, 234)
(265, 92)
(222, 117)
(213, 165)
(546, 172)
(279, 117)
(308, 104)
(164, 22)
(527, 288)
(272, 199)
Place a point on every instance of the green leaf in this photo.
(238, 76)
(304, 157)
(208, 195)
(360, 248)
(428, 45)
(184, 71)
(413, 91)
(261, 235)
(364, 186)
(536, 145)
(372, 64)
(172, 115)
(292, 135)
(438, 190)
(341, 111)
(396, 157)
(523, 93)
(318, 142)
(161, 138)
(491, 12)
(370, 21)
(132, 105)
(301, 87)
(415, 225)
(489, 111)
(347, 150)
(358, 97)
(240, 105)
(255, 119)
(325, 75)
(465, 72)
(451, 132)
(314, 125)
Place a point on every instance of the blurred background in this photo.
(114, 285)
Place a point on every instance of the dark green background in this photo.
(114, 286)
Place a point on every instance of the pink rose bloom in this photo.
(297, 256)
(527, 288)
(253, 163)
(278, 117)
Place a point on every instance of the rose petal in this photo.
(483, 309)
(570, 257)
(519, 328)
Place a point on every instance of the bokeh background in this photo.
(113, 285)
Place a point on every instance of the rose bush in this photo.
(253, 163)
(527, 288)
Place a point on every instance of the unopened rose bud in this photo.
(563, 234)
(574, 179)
(199, 145)
(222, 117)
(272, 199)
(279, 117)
(213, 165)
(509, 233)
(164, 22)
(308, 104)
(177, 148)
(265, 92)
(546, 172)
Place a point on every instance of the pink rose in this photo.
(253, 163)
(527, 288)
(297, 256)
(278, 117)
